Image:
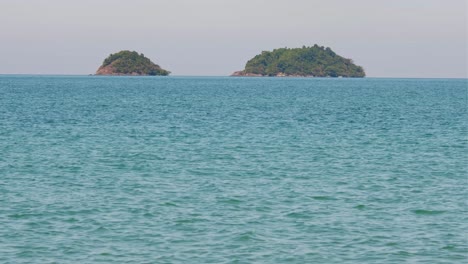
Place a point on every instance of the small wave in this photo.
(324, 198)
(100, 229)
(449, 247)
(169, 204)
(189, 221)
(23, 215)
(427, 212)
(247, 236)
(297, 215)
(148, 214)
(231, 201)
(71, 220)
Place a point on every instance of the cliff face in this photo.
(106, 70)
(129, 63)
(313, 61)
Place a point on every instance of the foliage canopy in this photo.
(314, 61)
(130, 62)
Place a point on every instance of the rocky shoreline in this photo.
(110, 71)
(281, 74)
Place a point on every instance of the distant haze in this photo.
(389, 38)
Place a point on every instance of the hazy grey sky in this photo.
(389, 38)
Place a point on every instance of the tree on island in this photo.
(316, 61)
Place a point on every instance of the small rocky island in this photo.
(316, 61)
(130, 63)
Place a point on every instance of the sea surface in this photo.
(233, 170)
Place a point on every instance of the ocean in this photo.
(233, 170)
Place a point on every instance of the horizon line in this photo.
(272, 77)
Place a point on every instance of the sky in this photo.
(397, 38)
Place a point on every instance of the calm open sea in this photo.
(233, 170)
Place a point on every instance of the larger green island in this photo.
(316, 61)
(130, 63)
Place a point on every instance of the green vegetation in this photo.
(130, 63)
(314, 61)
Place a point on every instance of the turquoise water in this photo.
(232, 170)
